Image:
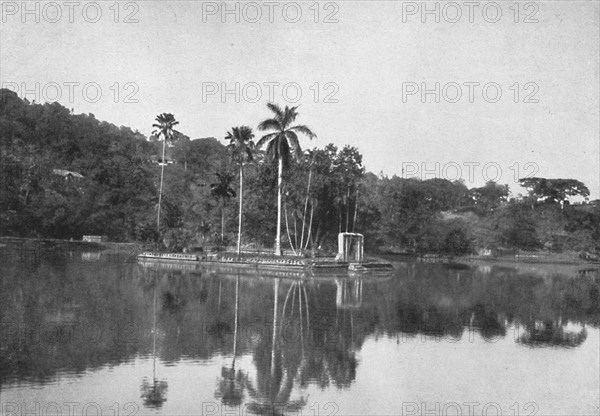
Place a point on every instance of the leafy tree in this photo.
(456, 242)
(554, 190)
(489, 197)
(348, 169)
(241, 148)
(519, 228)
(281, 145)
(443, 195)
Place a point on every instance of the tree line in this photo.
(64, 175)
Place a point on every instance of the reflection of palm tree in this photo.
(275, 382)
(298, 286)
(231, 385)
(154, 394)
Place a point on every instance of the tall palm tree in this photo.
(163, 127)
(222, 190)
(241, 149)
(282, 144)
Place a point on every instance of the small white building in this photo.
(95, 238)
(67, 174)
(350, 247)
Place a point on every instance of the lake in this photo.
(86, 333)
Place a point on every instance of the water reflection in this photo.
(555, 334)
(270, 340)
(231, 384)
(154, 393)
(349, 293)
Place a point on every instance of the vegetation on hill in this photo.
(65, 175)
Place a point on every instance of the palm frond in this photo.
(289, 116)
(271, 152)
(241, 146)
(279, 114)
(283, 152)
(304, 130)
(294, 145)
(265, 139)
(270, 124)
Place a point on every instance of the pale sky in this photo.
(179, 56)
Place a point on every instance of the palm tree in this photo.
(241, 148)
(163, 126)
(222, 190)
(282, 143)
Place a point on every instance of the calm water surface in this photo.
(89, 333)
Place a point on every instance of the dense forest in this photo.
(66, 175)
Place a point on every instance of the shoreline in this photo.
(524, 260)
(566, 258)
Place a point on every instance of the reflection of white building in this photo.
(91, 256)
(349, 293)
(485, 269)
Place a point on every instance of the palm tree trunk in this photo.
(295, 229)
(355, 209)
(287, 227)
(347, 207)
(239, 242)
(312, 210)
(222, 222)
(305, 208)
(162, 173)
(279, 181)
(317, 237)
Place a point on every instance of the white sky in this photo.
(174, 53)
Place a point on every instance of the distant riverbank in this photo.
(54, 243)
(550, 262)
(525, 261)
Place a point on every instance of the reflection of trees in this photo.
(418, 318)
(549, 333)
(275, 372)
(332, 343)
(486, 322)
(154, 394)
(425, 299)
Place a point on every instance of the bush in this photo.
(456, 242)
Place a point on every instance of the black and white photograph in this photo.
(305, 207)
